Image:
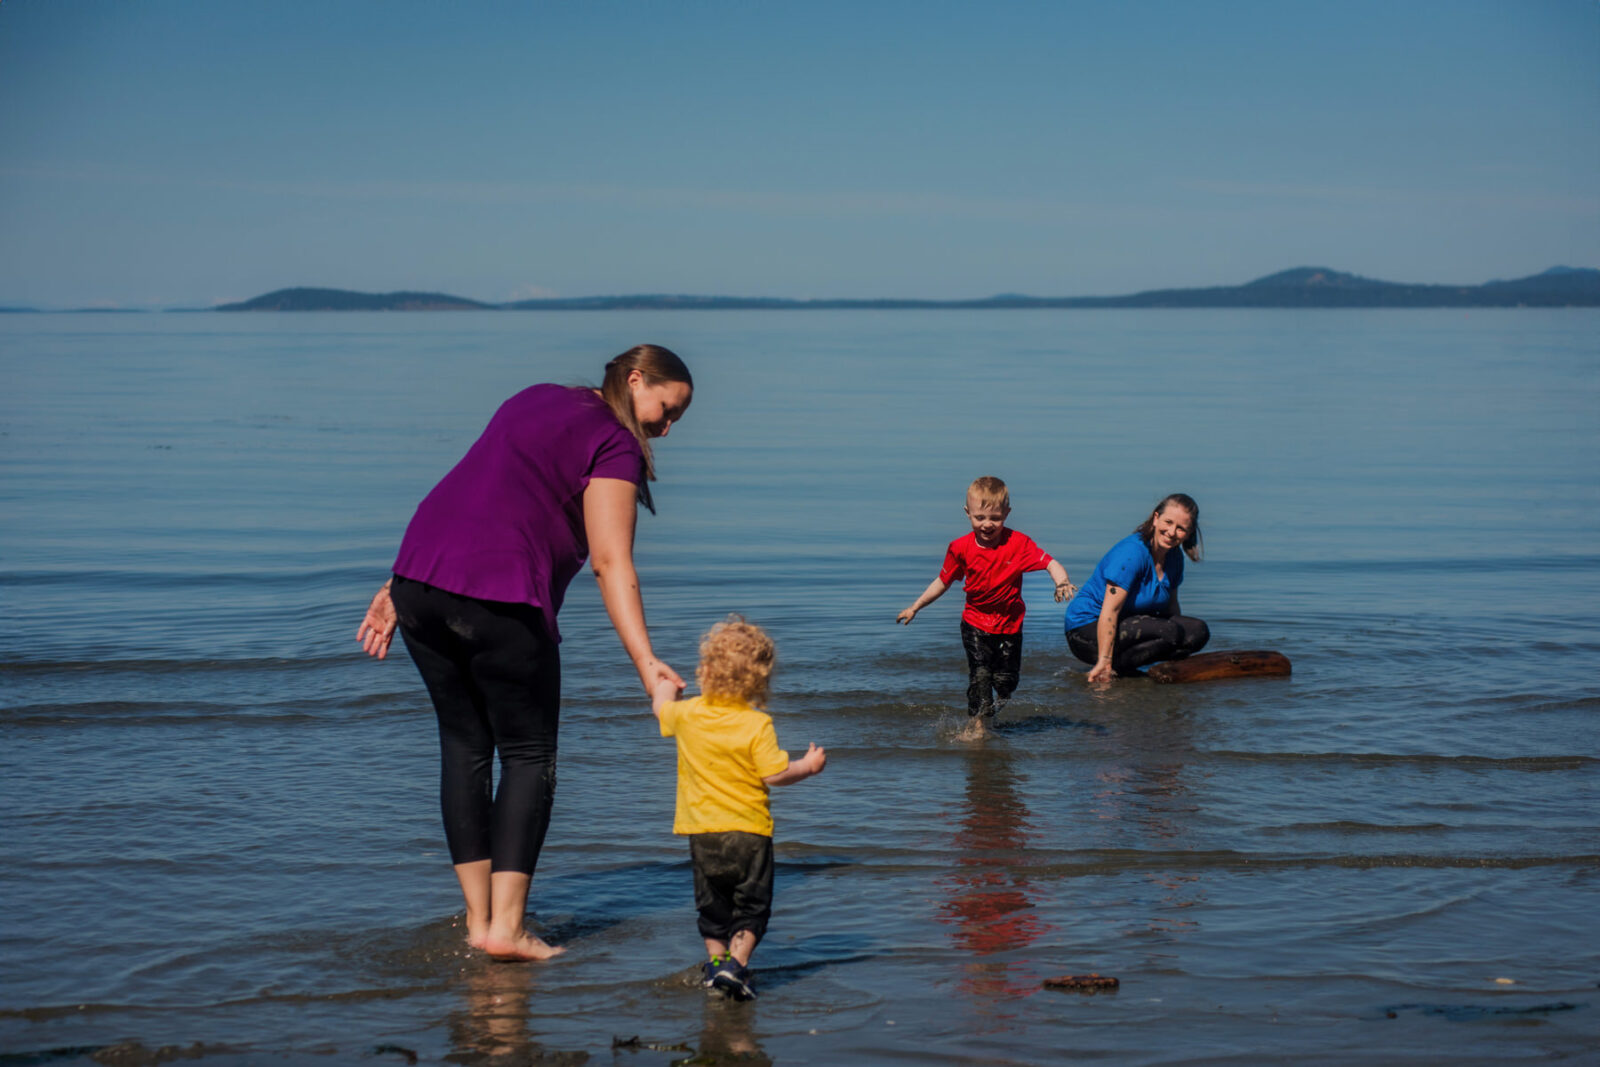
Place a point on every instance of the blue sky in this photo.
(158, 153)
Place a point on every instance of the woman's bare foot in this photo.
(973, 731)
(522, 946)
(474, 878)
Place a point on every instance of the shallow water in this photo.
(220, 822)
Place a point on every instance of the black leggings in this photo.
(495, 678)
(994, 661)
(1142, 640)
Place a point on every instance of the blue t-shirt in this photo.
(1130, 566)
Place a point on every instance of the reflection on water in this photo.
(726, 1035)
(1146, 794)
(991, 898)
(493, 1022)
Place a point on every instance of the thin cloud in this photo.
(844, 203)
(1358, 194)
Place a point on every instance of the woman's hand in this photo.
(656, 676)
(377, 629)
(1101, 672)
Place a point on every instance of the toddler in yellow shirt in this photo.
(728, 756)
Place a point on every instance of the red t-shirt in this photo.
(993, 578)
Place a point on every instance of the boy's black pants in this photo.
(994, 662)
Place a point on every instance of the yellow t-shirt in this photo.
(724, 752)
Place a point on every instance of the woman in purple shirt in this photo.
(555, 478)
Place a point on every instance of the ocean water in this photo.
(220, 826)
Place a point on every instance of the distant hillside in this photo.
(1320, 287)
(344, 300)
(1301, 287)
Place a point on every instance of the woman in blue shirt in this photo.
(1126, 615)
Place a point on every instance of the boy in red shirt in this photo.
(991, 560)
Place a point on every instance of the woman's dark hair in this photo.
(658, 365)
(1191, 544)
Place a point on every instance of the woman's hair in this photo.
(658, 365)
(1191, 544)
(990, 492)
(736, 660)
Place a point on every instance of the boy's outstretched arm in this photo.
(934, 591)
(1064, 586)
(800, 769)
(665, 692)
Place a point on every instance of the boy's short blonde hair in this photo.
(990, 492)
(736, 660)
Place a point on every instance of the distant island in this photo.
(1302, 287)
(344, 300)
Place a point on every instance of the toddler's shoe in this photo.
(708, 969)
(734, 979)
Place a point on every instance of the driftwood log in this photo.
(1209, 666)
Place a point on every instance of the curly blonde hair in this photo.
(736, 660)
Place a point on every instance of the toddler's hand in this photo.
(906, 616)
(1064, 591)
(815, 758)
(664, 691)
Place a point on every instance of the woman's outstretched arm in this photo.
(609, 514)
(1105, 631)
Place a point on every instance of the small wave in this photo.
(1511, 763)
(1518, 564)
(168, 666)
(1350, 827)
(1473, 1012)
(1522, 704)
(363, 577)
(1072, 863)
(45, 1013)
(232, 717)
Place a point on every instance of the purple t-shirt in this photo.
(507, 523)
